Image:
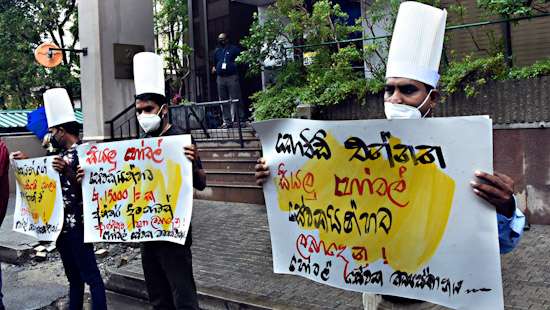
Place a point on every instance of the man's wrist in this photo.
(194, 165)
(508, 209)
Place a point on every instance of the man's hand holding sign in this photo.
(498, 190)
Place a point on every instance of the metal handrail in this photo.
(119, 115)
(123, 113)
(449, 28)
(189, 112)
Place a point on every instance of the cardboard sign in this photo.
(137, 190)
(385, 207)
(38, 202)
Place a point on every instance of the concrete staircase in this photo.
(230, 168)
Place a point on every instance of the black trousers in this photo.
(168, 272)
(81, 267)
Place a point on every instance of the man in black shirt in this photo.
(167, 266)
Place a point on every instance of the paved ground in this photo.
(232, 258)
(43, 285)
(46, 281)
(232, 262)
(526, 271)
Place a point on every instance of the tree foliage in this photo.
(511, 7)
(24, 24)
(171, 24)
(293, 32)
(318, 74)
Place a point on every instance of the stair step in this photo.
(230, 153)
(232, 193)
(230, 177)
(247, 130)
(130, 286)
(230, 143)
(229, 164)
(223, 135)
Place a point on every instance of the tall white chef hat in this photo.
(417, 43)
(149, 74)
(59, 109)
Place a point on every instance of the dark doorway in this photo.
(233, 18)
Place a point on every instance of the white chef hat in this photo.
(148, 74)
(59, 109)
(417, 43)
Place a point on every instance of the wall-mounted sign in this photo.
(123, 56)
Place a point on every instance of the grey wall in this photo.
(103, 23)
(524, 155)
(511, 104)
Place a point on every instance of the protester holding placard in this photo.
(167, 266)
(410, 93)
(78, 258)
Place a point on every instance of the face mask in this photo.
(54, 142)
(47, 143)
(403, 111)
(150, 122)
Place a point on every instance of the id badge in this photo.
(224, 66)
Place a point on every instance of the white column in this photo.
(102, 23)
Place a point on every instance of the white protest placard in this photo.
(385, 207)
(38, 200)
(137, 190)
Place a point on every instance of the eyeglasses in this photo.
(406, 89)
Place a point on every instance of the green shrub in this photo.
(275, 103)
(540, 68)
(470, 73)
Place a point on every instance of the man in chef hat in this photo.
(78, 257)
(166, 266)
(411, 92)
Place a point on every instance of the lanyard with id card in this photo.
(224, 63)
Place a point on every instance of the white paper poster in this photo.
(137, 190)
(38, 202)
(385, 207)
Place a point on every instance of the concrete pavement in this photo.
(232, 261)
(233, 270)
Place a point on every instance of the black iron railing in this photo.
(201, 120)
(124, 125)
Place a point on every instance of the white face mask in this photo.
(403, 111)
(150, 122)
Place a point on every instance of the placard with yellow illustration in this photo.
(384, 207)
(38, 202)
(137, 190)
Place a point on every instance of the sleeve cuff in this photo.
(516, 222)
(510, 229)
